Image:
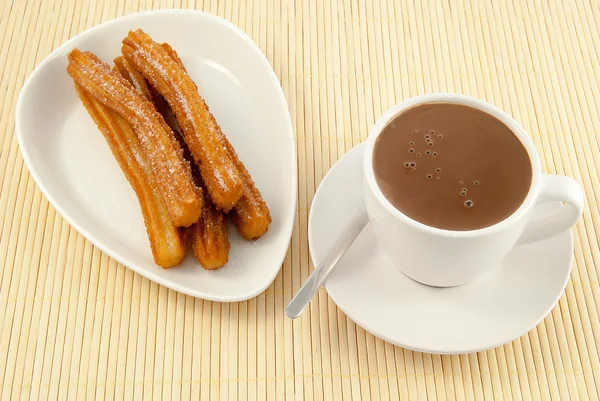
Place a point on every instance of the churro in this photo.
(250, 214)
(208, 237)
(166, 243)
(181, 197)
(201, 133)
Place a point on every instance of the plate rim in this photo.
(360, 322)
(287, 224)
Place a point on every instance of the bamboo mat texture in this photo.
(75, 324)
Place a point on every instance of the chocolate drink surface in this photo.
(451, 166)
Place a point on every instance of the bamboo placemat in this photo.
(76, 324)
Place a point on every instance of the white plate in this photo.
(499, 307)
(74, 168)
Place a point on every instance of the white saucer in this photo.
(499, 307)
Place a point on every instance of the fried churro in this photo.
(172, 173)
(250, 214)
(202, 134)
(166, 243)
(208, 237)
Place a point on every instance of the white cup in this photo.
(445, 258)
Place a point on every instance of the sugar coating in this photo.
(114, 91)
(200, 131)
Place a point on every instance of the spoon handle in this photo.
(319, 275)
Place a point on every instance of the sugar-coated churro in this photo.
(250, 214)
(165, 239)
(181, 197)
(201, 133)
(208, 237)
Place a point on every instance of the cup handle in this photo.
(555, 188)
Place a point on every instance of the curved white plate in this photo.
(500, 306)
(74, 168)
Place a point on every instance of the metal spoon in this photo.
(319, 275)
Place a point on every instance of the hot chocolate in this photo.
(451, 166)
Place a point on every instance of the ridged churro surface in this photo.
(201, 132)
(172, 172)
(208, 237)
(128, 71)
(166, 242)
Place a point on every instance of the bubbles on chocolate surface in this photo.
(434, 198)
